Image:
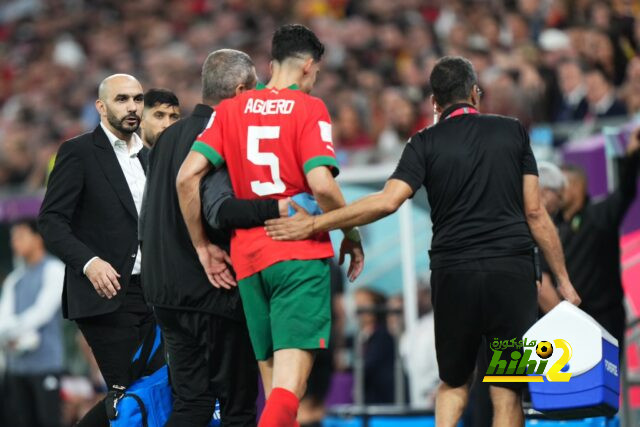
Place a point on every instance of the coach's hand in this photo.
(296, 227)
(216, 263)
(103, 277)
(568, 292)
(283, 207)
(356, 254)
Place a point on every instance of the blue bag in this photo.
(148, 401)
(307, 202)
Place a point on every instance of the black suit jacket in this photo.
(88, 211)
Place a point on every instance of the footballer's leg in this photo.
(450, 404)
(266, 373)
(507, 407)
(255, 301)
(300, 315)
(291, 370)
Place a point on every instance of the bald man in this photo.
(89, 219)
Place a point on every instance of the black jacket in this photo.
(591, 243)
(172, 276)
(88, 211)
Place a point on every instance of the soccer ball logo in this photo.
(544, 349)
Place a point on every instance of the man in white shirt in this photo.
(31, 332)
(89, 219)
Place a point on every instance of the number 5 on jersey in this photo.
(254, 135)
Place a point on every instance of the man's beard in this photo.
(152, 139)
(121, 125)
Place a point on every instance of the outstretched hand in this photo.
(296, 227)
(216, 264)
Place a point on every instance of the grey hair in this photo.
(223, 71)
(550, 176)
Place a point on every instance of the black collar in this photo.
(453, 108)
(202, 110)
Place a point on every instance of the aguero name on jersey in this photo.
(269, 139)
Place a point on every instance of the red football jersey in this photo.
(269, 140)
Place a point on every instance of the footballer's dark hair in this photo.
(452, 80)
(155, 97)
(293, 40)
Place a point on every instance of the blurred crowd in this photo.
(538, 60)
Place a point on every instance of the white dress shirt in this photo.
(418, 352)
(134, 174)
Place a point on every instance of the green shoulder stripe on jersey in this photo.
(314, 162)
(209, 152)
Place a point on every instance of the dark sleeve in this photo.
(223, 211)
(528, 163)
(64, 190)
(611, 211)
(412, 165)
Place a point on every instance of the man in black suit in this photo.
(89, 219)
(601, 95)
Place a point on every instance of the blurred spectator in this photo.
(312, 405)
(418, 351)
(631, 89)
(552, 184)
(601, 96)
(402, 121)
(379, 347)
(589, 231)
(371, 46)
(571, 82)
(350, 130)
(31, 331)
(161, 110)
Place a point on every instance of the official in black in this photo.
(206, 339)
(482, 184)
(89, 219)
(590, 235)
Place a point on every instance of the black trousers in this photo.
(33, 400)
(490, 298)
(209, 357)
(614, 321)
(114, 339)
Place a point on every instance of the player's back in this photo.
(269, 139)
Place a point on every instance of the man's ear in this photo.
(241, 88)
(306, 67)
(436, 107)
(102, 109)
(474, 97)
